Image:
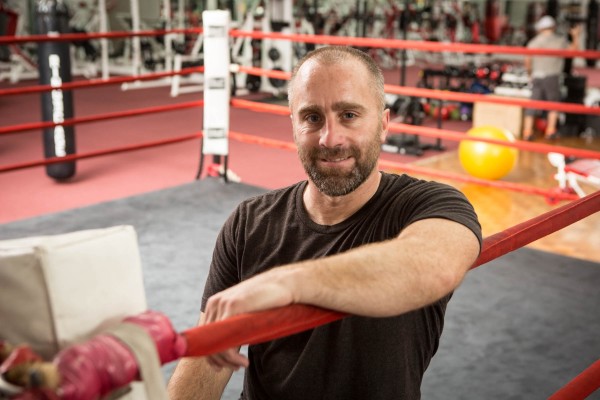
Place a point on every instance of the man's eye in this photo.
(348, 115)
(313, 118)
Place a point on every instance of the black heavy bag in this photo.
(54, 64)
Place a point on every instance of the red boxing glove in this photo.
(104, 363)
(170, 345)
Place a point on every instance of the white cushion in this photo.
(57, 290)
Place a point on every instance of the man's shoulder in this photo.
(411, 190)
(389, 178)
(535, 41)
(551, 41)
(410, 182)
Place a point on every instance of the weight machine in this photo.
(15, 64)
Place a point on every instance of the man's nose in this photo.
(332, 134)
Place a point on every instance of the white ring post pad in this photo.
(216, 82)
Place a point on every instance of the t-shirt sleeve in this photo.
(437, 200)
(223, 272)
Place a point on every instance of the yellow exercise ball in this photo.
(487, 160)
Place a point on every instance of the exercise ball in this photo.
(487, 160)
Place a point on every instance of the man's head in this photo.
(339, 119)
(546, 23)
(336, 54)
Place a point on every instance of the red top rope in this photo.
(70, 37)
(519, 144)
(99, 82)
(319, 39)
(581, 386)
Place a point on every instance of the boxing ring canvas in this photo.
(521, 326)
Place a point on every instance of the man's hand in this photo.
(230, 358)
(261, 292)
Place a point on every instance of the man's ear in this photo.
(293, 126)
(385, 122)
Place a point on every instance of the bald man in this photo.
(387, 248)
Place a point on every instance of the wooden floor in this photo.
(500, 209)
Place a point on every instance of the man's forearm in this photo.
(194, 379)
(426, 262)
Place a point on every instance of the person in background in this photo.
(545, 72)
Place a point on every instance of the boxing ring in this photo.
(277, 323)
(488, 322)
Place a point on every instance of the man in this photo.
(545, 72)
(388, 249)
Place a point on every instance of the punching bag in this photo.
(54, 65)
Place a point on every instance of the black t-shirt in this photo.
(357, 357)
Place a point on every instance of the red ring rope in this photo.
(519, 144)
(70, 37)
(259, 107)
(581, 386)
(116, 150)
(98, 82)
(415, 44)
(483, 98)
(319, 39)
(6, 130)
(265, 72)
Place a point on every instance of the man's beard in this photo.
(333, 181)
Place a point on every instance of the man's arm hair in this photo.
(195, 379)
(424, 263)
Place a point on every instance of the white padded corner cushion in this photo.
(68, 287)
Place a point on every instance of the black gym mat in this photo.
(519, 327)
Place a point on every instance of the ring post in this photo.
(216, 85)
(54, 64)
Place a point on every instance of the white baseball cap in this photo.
(546, 22)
